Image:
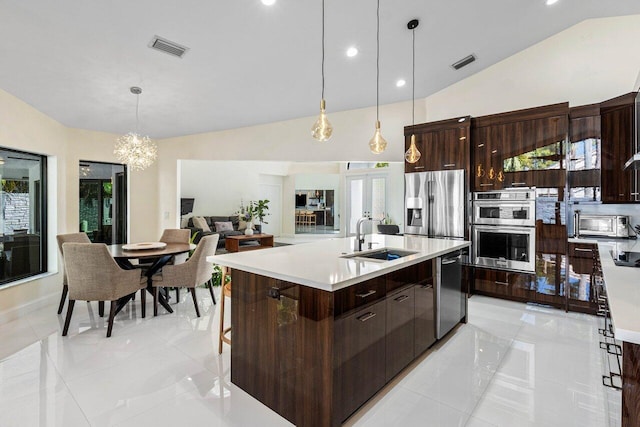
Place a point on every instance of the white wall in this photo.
(587, 63)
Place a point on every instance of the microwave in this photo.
(601, 225)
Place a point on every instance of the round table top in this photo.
(171, 249)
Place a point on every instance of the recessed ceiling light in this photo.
(352, 51)
(268, 2)
(401, 83)
(550, 2)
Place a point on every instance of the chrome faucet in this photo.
(360, 237)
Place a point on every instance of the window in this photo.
(23, 219)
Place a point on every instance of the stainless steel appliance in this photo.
(504, 234)
(601, 225)
(512, 207)
(626, 258)
(451, 300)
(435, 203)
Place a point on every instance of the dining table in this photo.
(154, 256)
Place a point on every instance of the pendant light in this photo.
(322, 129)
(136, 151)
(412, 155)
(377, 144)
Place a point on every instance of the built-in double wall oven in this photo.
(504, 233)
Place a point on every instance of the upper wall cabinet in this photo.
(522, 148)
(443, 145)
(616, 121)
(583, 170)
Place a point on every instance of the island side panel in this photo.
(282, 347)
(630, 385)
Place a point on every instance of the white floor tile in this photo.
(512, 365)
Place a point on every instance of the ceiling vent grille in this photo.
(167, 46)
(463, 62)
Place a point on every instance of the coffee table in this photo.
(232, 243)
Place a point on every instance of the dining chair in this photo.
(93, 275)
(69, 238)
(190, 274)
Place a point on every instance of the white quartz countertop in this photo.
(623, 288)
(321, 264)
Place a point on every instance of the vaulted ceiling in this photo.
(248, 63)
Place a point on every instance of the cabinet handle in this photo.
(486, 185)
(583, 250)
(366, 294)
(450, 260)
(401, 298)
(502, 283)
(366, 316)
(449, 165)
(621, 194)
(429, 286)
(634, 194)
(518, 183)
(418, 167)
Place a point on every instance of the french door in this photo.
(366, 195)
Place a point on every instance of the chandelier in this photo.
(377, 144)
(322, 129)
(136, 151)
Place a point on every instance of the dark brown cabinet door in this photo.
(359, 357)
(400, 330)
(518, 286)
(618, 185)
(581, 277)
(488, 152)
(444, 145)
(425, 317)
(583, 170)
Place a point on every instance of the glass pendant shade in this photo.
(137, 152)
(412, 155)
(322, 129)
(377, 144)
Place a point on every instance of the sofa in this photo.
(211, 220)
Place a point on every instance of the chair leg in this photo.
(156, 289)
(210, 285)
(221, 320)
(101, 308)
(177, 294)
(195, 301)
(68, 319)
(143, 302)
(112, 314)
(65, 289)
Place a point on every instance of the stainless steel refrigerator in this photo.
(435, 203)
(435, 207)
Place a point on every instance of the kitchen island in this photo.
(318, 330)
(623, 292)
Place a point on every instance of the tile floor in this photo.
(511, 365)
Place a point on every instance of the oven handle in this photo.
(512, 230)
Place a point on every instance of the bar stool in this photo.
(310, 218)
(226, 293)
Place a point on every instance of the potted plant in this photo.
(387, 226)
(260, 209)
(246, 214)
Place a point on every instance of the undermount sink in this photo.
(384, 254)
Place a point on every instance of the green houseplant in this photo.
(260, 208)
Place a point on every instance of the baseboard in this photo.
(22, 310)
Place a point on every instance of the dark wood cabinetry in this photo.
(315, 356)
(359, 368)
(522, 148)
(617, 126)
(584, 270)
(583, 170)
(505, 284)
(443, 145)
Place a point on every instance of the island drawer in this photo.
(358, 295)
(414, 274)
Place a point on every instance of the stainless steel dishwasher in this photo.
(451, 300)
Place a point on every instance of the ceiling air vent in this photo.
(167, 46)
(463, 62)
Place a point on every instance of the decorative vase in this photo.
(249, 230)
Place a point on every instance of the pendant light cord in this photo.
(322, 49)
(413, 79)
(378, 61)
(137, 119)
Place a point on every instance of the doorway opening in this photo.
(103, 202)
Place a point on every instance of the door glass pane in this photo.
(378, 197)
(356, 203)
(22, 219)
